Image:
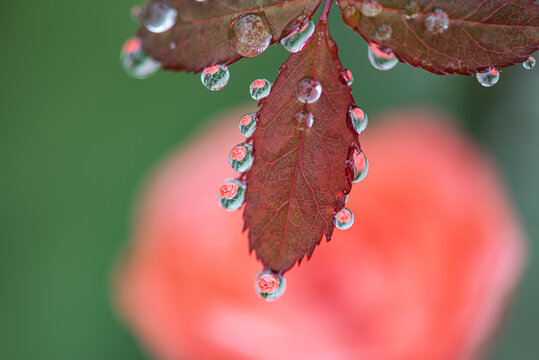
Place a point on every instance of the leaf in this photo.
(481, 33)
(200, 36)
(299, 178)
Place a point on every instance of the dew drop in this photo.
(297, 39)
(247, 124)
(304, 120)
(529, 63)
(231, 194)
(269, 285)
(344, 219)
(241, 157)
(381, 58)
(351, 15)
(136, 13)
(135, 61)
(411, 10)
(215, 77)
(159, 17)
(371, 8)
(309, 90)
(250, 35)
(383, 31)
(347, 77)
(259, 89)
(358, 118)
(437, 21)
(361, 165)
(488, 77)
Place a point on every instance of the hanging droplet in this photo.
(347, 77)
(344, 219)
(297, 39)
(309, 90)
(383, 31)
(411, 10)
(361, 165)
(259, 89)
(381, 58)
(241, 157)
(231, 194)
(488, 77)
(137, 13)
(159, 17)
(304, 120)
(529, 63)
(437, 21)
(135, 61)
(247, 124)
(358, 118)
(250, 35)
(215, 77)
(371, 8)
(270, 286)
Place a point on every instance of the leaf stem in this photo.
(326, 10)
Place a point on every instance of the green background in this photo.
(77, 137)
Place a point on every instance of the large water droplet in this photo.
(241, 157)
(347, 77)
(159, 17)
(309, 90)
(488, 77)
(358, 119)
(381, 58)
(437, 21)
(371, 8)
(259, 89)
(247, 124)
(411, 10)
(135, 61)
(344, 219)
(231, 194)
(250, 35)
(361, 165)
(383, 31)
(304, 120)
(297, 39)
(215, 77)
(270, 286)
(529, 63)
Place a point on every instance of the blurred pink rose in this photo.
(423, 274)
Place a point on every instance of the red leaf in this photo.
(200, 35)
(480, 33)
(299, 177)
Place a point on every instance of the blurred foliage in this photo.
(78, 138)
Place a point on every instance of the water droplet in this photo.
(297, 39)
(172, 45)
(351, 15)
(250, 35)
(135, 61)
(137, 13)
(241, 157)
(269, 285)
(304, 120)
(259, 89)
(247, 124)
(159, 17)
(344, 219)
(347, 77)
(361, 165)
(529, 63)
(358, 118)
(346, 198)
(437, 21)
(231, 194)
(381, 58)
(309, 90)
(371, 8)
(383, 31)
(488, 77)
(215, 77)
(411, 10)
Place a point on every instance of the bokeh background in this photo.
(78, 137)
